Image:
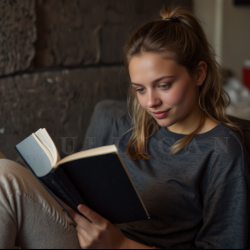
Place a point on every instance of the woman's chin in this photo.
(163, 122)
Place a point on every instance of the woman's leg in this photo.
(29, 216)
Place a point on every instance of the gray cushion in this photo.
(103, 127)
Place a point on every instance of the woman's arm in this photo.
(226, 216)
(100, 233)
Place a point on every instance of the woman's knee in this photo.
(8, 167)
(11, 168)
(20, 182)
(14, 177)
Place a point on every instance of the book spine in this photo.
(51, 184)
(68, 186)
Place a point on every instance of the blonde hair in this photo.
(186, 43)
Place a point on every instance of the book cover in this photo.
(100, 181)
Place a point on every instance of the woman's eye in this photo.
(165, 86)
(140, 90)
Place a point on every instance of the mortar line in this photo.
(43, 70)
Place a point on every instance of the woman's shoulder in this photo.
(223, 140)
(229, 157)
(234, 142)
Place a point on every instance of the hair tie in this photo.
(173, 19)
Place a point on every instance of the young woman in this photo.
(186, 158)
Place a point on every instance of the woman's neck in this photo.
(190, 123)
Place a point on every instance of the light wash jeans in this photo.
(29, 216)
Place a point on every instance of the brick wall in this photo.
(58, 58)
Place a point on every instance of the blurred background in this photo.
(58, 58)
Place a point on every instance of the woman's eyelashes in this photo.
(140, 90)
(163, 87)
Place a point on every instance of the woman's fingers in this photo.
(94, 217)
(88, 239)
(82, 241)
(95, 231)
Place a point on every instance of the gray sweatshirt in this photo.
(198, 198)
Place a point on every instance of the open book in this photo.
(97, 178)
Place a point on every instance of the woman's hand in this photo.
(98, 234)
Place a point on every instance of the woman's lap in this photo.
(28, 213)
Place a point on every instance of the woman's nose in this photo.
(153, 100)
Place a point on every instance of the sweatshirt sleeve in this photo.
(226, 216)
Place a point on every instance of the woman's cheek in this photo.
(174, 98)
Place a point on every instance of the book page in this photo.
(48, 153)
(88, 153)
(46, 140)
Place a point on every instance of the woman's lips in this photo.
(160, 115)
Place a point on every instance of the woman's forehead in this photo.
(150, 65)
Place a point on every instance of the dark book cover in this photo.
(100, 182)
(106, 188)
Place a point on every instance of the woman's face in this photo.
(164, 85)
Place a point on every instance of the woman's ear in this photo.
(201, 73)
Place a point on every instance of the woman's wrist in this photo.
(130, 244)
(125, 244)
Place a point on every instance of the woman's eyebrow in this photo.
(157, 80)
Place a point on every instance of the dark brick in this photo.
(83, 32)
(60, 101)
(17, 35)
(68, 32)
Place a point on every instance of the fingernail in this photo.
(81, 208)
